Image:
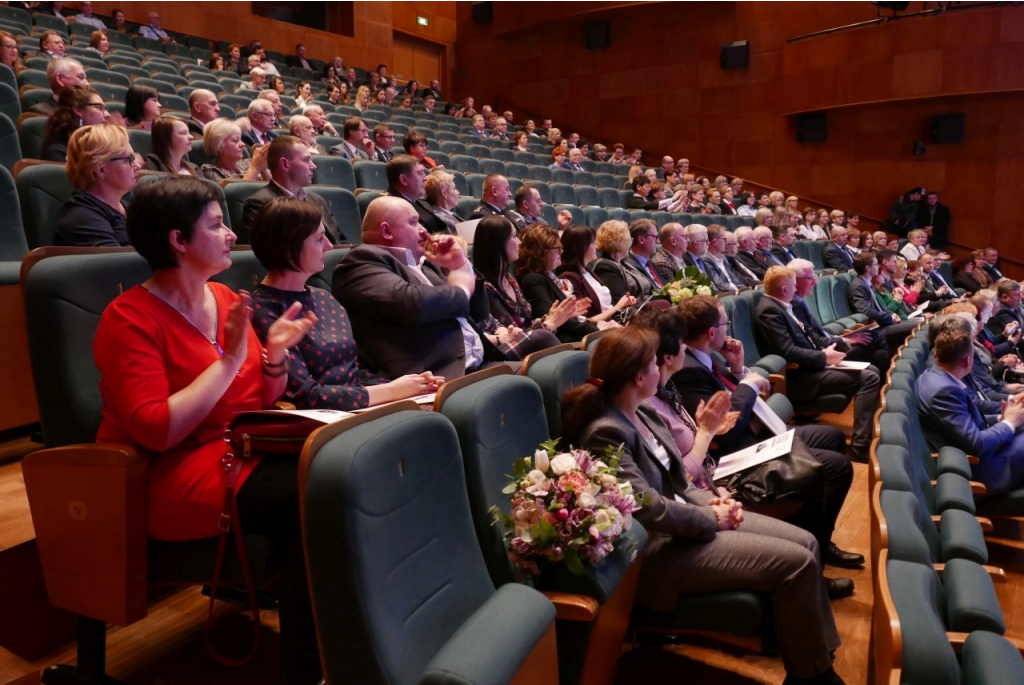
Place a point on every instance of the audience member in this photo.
(739, 269)
(778, 331)
(222, 142)
(917, 242)
(1009, 319)
(494, 201)
(644, 233)
(77, 106)
(262, 119)
(9, 52)
(864, 300)
(415, 144)
(641, 193)
(837, 255)
(195, 336)
(1002, 342)
(102, 169)
(967, 275)
(85, 16)
(51, 45)
(61, 73)
(763, 244)
(257, 76)
(785, 236)
(704, 553)
(578, 250)
(407, 181)
(203, 108)
(383, 142)
(274, 98)
(407, 317)
(234, 58)
(356, 144)
(529, 204)
(141, 107)
(613, 244)
(171, 142)
(152, 29)
(903, 212)
(99, 42)
(746, 242)
(275, 84)
(950, 415)
(299, 58)
(669, 257)
(217, 62)
(539, 256)
(121, 25)
(935, 286)
(992, 263)
(557, 157)
(716, 262)
(302, 128)
(316, 116)
(443, 197)
(434, 89)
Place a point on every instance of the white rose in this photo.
(541, 461)
(563, 464)
(686, 293)
(585, 500)
(537, 483)
(703, 290)
(608, 481)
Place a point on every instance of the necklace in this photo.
(213, 341)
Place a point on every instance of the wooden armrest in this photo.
(572, 607)
(985, 523)
(792, 365)
(778, 382)
(976, 487)
(936, 520)
(997, 574)
(286, 406)
(956, 640)
(970, 459)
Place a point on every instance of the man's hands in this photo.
(833, 356)
(732, 350)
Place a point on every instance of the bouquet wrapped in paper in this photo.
(567, 507)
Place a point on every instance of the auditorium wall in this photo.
(660, 86)
(374, 26)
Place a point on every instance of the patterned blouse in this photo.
(509, 312)
(324, 371)
(215, 173)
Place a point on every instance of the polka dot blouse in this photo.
(324, 371)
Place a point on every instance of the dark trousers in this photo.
(268, 504)
(896, 334)
(877, 353)
(828, 444)
(863, 386)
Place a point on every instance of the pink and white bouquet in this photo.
(566, 507)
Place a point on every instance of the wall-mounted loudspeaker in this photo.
(483, 12)
(812, 128)
(597, 35)
(947, 128)
(735, 55)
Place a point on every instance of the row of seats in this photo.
(934, 595)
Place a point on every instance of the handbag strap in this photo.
(230, 521)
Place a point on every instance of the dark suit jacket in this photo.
(782, 254)
(939, 223)
(541, 292)
(614, 276)
(428, 219)
(993, 271)
(967, 282)
(775, 332)
(696, 383)
(194, 127)
(997, 324)
(837, 258)
(632, 264)
(745, 279)
(294, 61)
(484, 209)
(859, 295)
(637, 202)
(254, 203)
(749, 260)
(665, 265)
(400, 324)
(249, 139)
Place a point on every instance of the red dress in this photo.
(146, 351)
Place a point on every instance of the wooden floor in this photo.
(167, 648)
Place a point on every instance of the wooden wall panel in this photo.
(660, 87)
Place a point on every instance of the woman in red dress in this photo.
(178, 359)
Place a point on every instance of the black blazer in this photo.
(782, 254)
(697, 383)
(859, 296)
(776, 332)
(749, 260)
(837, 258)
(939, 223)
(483, 210)
(614, 276)
(743, 278)
(631, 264)
(541, 292)
(637, 202)
(400, 324)
(428, 219)
(249, 139)
(254, 203)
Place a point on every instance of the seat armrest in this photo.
(89, 508)
(494, 641)
(571, 607)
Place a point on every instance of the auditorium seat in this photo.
(586, 196)
(13, 245)
(595, 216)
(364, 198)
(526, 158)
(618, 214)
(374, 494)
(10, 148)
(562, 176)
(476, 184)
(604, 181)
(129, 68)
(562, 194)
(235, 194)
(32, 77)
(578, 217)
(491, 166)
(371, 175)
(332, 170)
(608, 198)
(42, 191)
(465, 163)
(141, 141)
(517, 170)
(342, 204)
(624, 196)
(583, 178)
(543, 189)
(540, 173)
(503, 155)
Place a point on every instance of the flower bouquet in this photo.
(566, 507)
(687, 282)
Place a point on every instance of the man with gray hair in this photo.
(764, 241)
(261, 118)
(257, 77)
(61, 73)
(717, 262)
(670, 256)
(746, 240)
(321, 126)
(732, 249)
(203, 108)
(274, 99)
(697, 237)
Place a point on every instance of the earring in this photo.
(80, 122)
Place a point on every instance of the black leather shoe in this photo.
(838, 588)
(833, 556)
(859, 453)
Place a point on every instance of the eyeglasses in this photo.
(128, 158)
(98, 105)
(727, 324)
(651, 235)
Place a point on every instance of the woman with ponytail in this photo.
(700, 542)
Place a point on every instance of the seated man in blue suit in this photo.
(949, 415)
(863, 299)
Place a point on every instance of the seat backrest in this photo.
(816, 253)
(540, 173)
(595, 216)
(364, 199)
(323, 278)
(67, 295)
(578, 217)
(517, 170)
(141, 141)
(900, 402)
(562, 194)
(738, 311)
(42, 190)
(332, 170)
(465, 163)
(478, 151)
(909, 537)
(840, 301)
(559, 175)
(618, 214)
(586, 196)
(236, 193)
(393, 562)
(556, 375)
(372, 175)
(346, 212)
(893, 431)
(823, 296)
(498, 420)
(10, 148)
(609, 198)
(12, 233)
(491, 166)
(10, 105)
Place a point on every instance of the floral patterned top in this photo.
(509, 312)
(324, 371)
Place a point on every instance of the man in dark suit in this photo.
(51, 45)
(494, 202)
(862, 299)
(203, 108)
(747, 278)
(669, 258)
(644, 233)
(383, 142)
(529, 204)
(1009, 312)
(406, 179)
(934, 218)
(764, 242)
(61, 73)
(408, 317)
(434, 89)
(778, 331)
(837, 256)
(697, 248)
(746, 241)
(356, 145)
(935, 286)
(992, 263)
(291, 165)
(717, 262)
(261, 116)
(785, 236)
(702, 376)
(299, 58)
(862, 346)
(642, 194)
(949, 416)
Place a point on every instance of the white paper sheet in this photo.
(769, 418)
(467, 229)
(418, 399)
(772, 448)
(850, 366)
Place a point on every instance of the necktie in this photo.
(700, 264)
(849, 255)
(730, 386)
(654, 275)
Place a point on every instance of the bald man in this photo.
(407, 316)
(203, 108)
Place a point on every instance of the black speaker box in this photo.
(483, 12)
(812, 128)
(597, 35)
(947, 128)
(735, 55)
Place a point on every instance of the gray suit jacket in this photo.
(350, 152)
(861, 301)
(254, 203)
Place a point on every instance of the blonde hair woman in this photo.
(362, 99)
(613, 242)
(763, 217)
(222, 142)
(102, 168)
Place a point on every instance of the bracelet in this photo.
(274, 370)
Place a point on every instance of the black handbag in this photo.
(793, 476)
